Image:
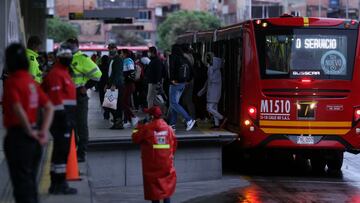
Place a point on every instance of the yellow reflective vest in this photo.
(84, 69)
(34, 67)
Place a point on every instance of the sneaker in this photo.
(127, 125)
(65, 189)
(190, 124)
(117, 127)
(134, 121)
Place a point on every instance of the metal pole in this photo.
(347, 9)
(319, 8)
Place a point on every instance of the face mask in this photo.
(149, 54)
(65, 61)
(50, 63)
(112, 52)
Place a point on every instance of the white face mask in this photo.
(149, 54)
(50, 63)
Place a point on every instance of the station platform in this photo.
(114, 163)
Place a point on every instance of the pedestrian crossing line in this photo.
(45, 176)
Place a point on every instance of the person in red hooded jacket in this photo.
(158, 145)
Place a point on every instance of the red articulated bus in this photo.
(290, 83)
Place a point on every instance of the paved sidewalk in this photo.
(99, 130)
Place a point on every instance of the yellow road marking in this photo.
(306, 131)
(305, 123)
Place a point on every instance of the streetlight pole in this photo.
(319, 5)
(347, 9)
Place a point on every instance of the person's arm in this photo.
(47, 114)
(203, 90)
(138, 134)
(24, 121)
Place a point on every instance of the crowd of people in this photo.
(48, 92)
(175, 82)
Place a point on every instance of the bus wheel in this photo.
(318, 163)
(335, 161)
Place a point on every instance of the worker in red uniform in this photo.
(158, 144)
(22, 145)
(61, 90)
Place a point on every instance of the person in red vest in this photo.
(158, 145)
(22, 144)
(61, 90)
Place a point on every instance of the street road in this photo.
(274, 184)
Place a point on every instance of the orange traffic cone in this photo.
(72, 168)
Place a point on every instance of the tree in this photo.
(184, 21)
(60, 30)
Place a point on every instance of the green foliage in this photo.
(184, 21)
(60, 30)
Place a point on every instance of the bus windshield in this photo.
(306, 52)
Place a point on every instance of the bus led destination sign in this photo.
(312, 43)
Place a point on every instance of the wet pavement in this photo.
(266, 184)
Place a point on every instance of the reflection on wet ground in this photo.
(289, 183)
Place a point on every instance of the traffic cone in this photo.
(72, 168)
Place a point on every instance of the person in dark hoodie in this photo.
(116, 83)
(179, 68)
(155, 74)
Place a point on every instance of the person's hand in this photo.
(33, 134)
(83, 91)
(42, 138)
(174, 82)
(113, 88)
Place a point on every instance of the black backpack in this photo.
(183, 71)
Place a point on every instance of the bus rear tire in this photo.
(335, 161)
(318, 164)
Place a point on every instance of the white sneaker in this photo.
(190, 124)
(127, 125)
(134, 121)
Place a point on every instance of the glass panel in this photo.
(318, 53)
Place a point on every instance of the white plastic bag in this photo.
(110, 99)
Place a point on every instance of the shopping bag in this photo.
(110, 99)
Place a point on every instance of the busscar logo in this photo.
(305, 73)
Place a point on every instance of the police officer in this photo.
(33, 47)
(85, 74)
(61, 90)
(22, 145)
(158, 145)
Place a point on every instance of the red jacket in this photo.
(20, 87)
(158, 145)
(60, 88)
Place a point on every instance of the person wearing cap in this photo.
(85, 74)
(22, 99)
(61, 90)
(116, 83)
(158, 145)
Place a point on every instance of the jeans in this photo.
(213, 109)
(175, 92)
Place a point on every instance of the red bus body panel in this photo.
(335, 100)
